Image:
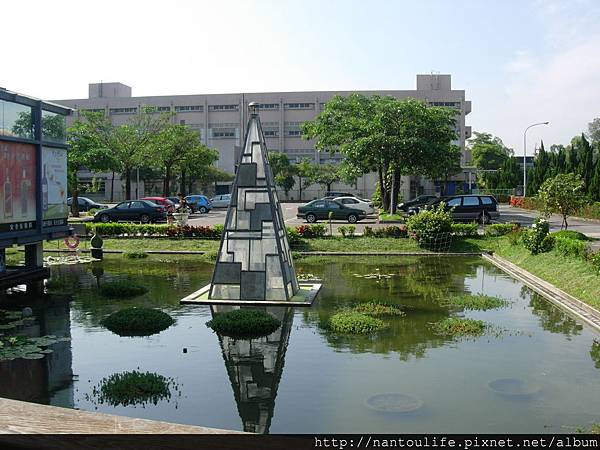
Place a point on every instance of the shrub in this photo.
(355, 323)
(499, 229)
(378, 309)
(570, 247)
(347, 231)
(244, 323)
(368, 231)
(426, 225)
(138, 322)
(192, 231)
(570, 234)
(515, 237)
(133, 388)
(129, 229)
(396, 231)
(122, 289)
(293, 236)
(477, 302)
(465, 229)
(537, 240)
(459, 327)
(135, 255)
(312, 231)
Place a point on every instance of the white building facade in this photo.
(221, 118)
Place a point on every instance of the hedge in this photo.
(500, 229)
(152, 230)
(465, 229)
(589, 211)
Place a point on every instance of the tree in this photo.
(131, 142)
(540, 171)
(448, 165)
(594, 188)
(172, 146)
(383, 134)
(85, 150)
(197, 166)
(586, 161)
(594, 130)
(306, 172)
(488, 151)
(564, 195)
(327, 174)
(283, 171)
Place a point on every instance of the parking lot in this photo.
(507, 214)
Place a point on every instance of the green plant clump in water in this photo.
(459, 327)
(122, 289)
(378, 309)
(135, 255)
(138, 322)
(133, 388)
(56, 284)
(244, 323)
(477, 302)
(14, 347)
(355, 323)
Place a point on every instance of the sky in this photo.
(519, 61)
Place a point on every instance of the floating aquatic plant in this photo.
(135, 255)
(377, 275)
(355, 323)
(378, 309)
(138, 322)
(12, 319)
(478, 302)
(244, 323)
(458, 326)
(15, 347)
(133, 389)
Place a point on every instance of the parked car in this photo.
(199, 203)
(163, 201)
(482, 208)
(85, 204)
(330, 195)
(320, 209)
(175, 200)
(417, 201)
(221, 201)
(143, 211)
(355, 202)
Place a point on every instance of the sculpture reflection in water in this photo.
(255, 367)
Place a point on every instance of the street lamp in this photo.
(525, 155)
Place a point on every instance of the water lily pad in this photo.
(33, 356)
(513, 387)
(394, 403)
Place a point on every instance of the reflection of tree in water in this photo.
(418, 285)
(167, 284)
(595, 353)
(553, 319)
(254, 367)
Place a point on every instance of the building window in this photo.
(268, 106)
(189, 108)
(223, 133)
(123, 110)
(299, 106)
(292, 129)
(223, 107)
(271, 132)
(96, 110)
(163, 108)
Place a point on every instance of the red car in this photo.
(162, 201)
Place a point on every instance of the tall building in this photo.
(221, 118)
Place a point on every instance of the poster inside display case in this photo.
(17, 187)
(54, 187)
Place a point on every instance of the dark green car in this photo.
(320, 209)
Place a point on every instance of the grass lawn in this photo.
(386, 217)
(573, 275)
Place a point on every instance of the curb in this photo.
(567, 302)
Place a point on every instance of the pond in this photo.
(535, 370)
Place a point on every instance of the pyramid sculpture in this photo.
(254, 261)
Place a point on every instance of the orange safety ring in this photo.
(72, 241)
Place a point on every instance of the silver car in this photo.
(221, 201)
